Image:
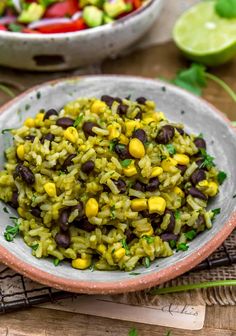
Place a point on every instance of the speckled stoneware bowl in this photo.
(178, 105)
(54, 52)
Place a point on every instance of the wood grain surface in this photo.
(159, 61)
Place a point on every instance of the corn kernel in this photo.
(161, 116)
(98, 106)
(50, 189)
(212, 189)
(136, 148)
(29, 122)
(91, 207)
(148, 233)
(139, 204)
(181, 159)
(80, 263)
(147, 120)
(130, 125)
(21, 212)
(101, 248)
(156, 204)
(39, 117)
(71, 134)
(178, 191)
(114, 131)
(203, 184)
(124, 140)
(118, 254)
(20, 152)
(130, 170)
(168, 164)
(156, 171)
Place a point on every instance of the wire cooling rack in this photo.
(18, 292)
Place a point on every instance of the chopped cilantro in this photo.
(113, 250)
(149, 240)
(171, 149)
(208, 160)
(190, 235)
(182, 247)
(56, 262)
(5, 210)
(113, 207)
(125, 246)
(216, 212)
(11, 231)
(133, 332)
(177, 214)
(35, 247)
(221, 177)
(125, 163)
(78, 120)
(112, 145)
(147, 262)
(172, 243)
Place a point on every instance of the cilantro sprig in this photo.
(208, 159)
(190, 235)
(182, 247)
(171, 149)
(125, 246)
(12, 231)
(221, 177)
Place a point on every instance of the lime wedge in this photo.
(205, 37)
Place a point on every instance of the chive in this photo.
(184, 288)
(149, 240)
(182, 247)
(125, 163)
(221, 177)
(112, 145)
(190, 235)
(56, 262)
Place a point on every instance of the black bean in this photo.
(49, 137)
(87, 167)
(140, 134)
(62, 240)
(49, 113)
(129, 235)
(63, 219)
(155, 219)
(122, 151)
(84, 224)
(168, 236)
(68, 162)
(121, 185)
(182, 168)
(198, 176)
(200, 143)
(138, 186)
(166, 133)
(108, 100)
(171, 225)
(153, 184)
(65, 122)
(141, 100)
(180, 130)
(200, 221)
(25, 173)
(106, 188)
(14, 200)
(197, 193)
(122, 109)
(30, 138)
(138, 115)
(88, 128)
(36, 212)
(80, 208)
(118, 100)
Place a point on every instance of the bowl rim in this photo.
(139, 282)
(101, 29)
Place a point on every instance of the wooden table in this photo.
(160, 61)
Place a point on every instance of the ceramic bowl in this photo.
(54, 52)
(178, 105)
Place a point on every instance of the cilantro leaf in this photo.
(190, 235)
(216, 212)
(172, 244)
(182, 247)
(147, 262)
(112, 144)
(226, 8)
(11, 231)
(35, 247)
(78, 120)
(133, 332)
(208, 160)
(125, 163)
(177, 214)
(113, 211)
(149, 240)
(56, 262)
(125, 246)
(221, 177)
(171, 149)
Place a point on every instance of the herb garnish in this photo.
(56, 262)
(208, 160)
(35, 247)
(5, 210)
(11, 231)
(182, 247)
(149, 240)
(112, 145)
(125, 163)
(221, 177)
(190, 235)
(226, 8)
(216, 212)
(78, 120)
(125, 246)
(177, 214)
(147, 262)
(113, 207)
(6, 130)
(172, 243)
(133, 332)
(171, 149)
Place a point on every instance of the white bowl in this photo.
(53, 52)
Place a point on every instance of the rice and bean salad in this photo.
(108, 184)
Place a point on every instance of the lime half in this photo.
(203, 36)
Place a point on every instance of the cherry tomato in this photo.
(62, 9)
(3, 28)
(63, 27)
